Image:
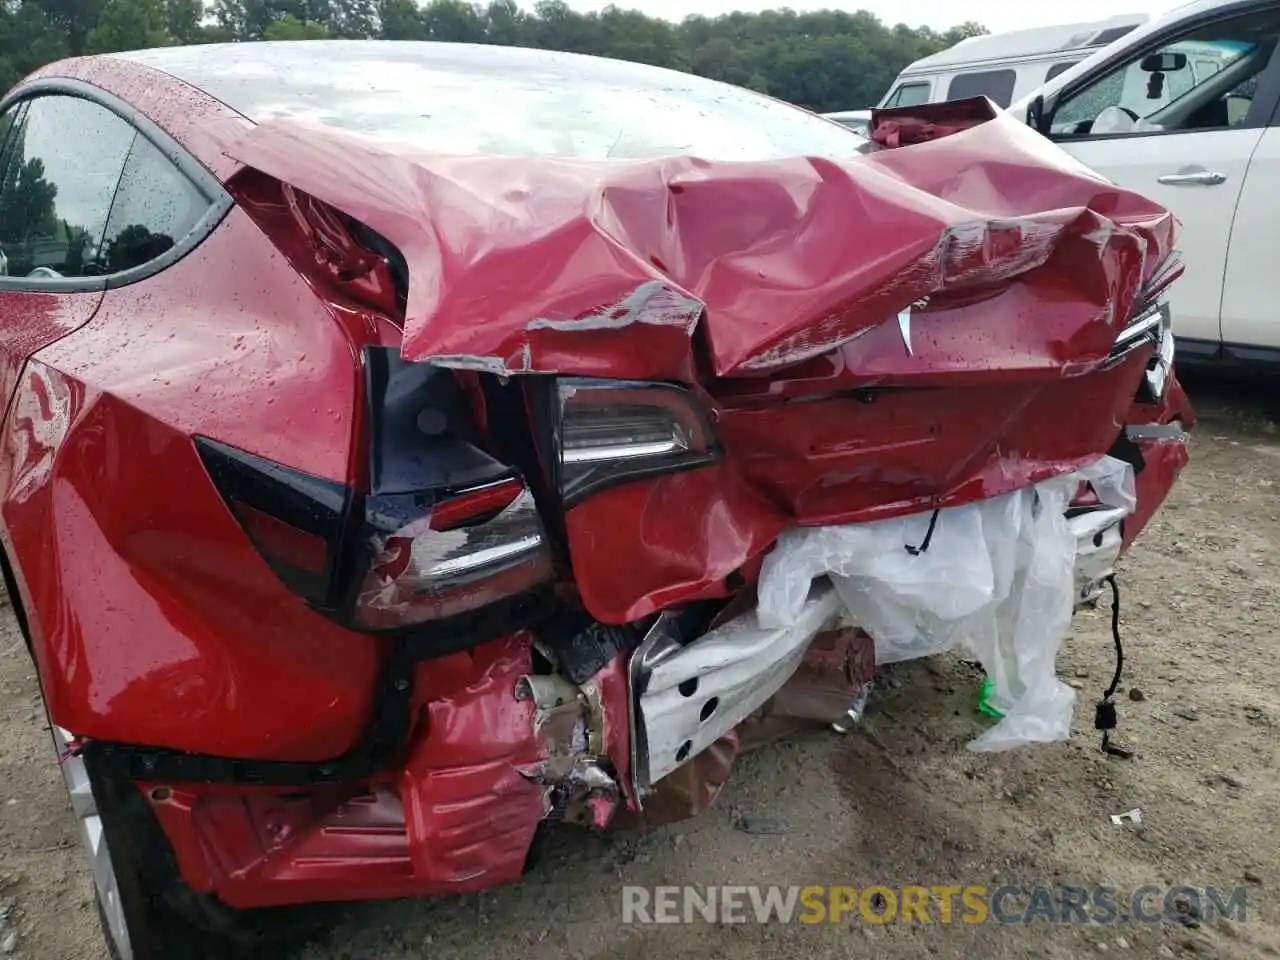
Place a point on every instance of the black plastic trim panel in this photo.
(1196, 351)
(1243, 353)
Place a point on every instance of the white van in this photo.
(1004, 66)
(859, 121)
(1186, 110)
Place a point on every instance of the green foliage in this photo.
(127, 24)
(289, 27)
(824, 60)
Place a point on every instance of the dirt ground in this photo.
(899, 801)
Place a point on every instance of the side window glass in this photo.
(909, 95)
(8, 120)
(1203, 80)
(997, 85)
(155, 207)
(64, 160)
(1059, 68)
(1207, 68)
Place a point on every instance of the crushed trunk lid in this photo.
(867, 337)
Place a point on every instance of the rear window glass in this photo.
(469, 99)
(996, 85)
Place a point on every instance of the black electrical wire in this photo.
(1115, 636)
(1105, 718)
(928, 537)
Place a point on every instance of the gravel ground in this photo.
(898, 802)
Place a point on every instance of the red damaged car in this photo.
(395, 434)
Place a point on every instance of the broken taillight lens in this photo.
(467, 552)
(613, 431)
(444, 531)
(448, 530)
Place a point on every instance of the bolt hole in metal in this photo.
(688, 687)
(708, 709)
(161, 794)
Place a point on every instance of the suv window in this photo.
(908, 95)
(155, 207)
(64, 159)
(1059, 68)
(1202, 80)
(996, 85)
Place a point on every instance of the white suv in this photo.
(1184, 110)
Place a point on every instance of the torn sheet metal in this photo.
(899, 126)
(607, 268)
(996, 578)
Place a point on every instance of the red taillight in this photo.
(475, 504)
(280, 543)
(470, 544)
(458, 558)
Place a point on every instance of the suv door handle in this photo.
(1197, 178)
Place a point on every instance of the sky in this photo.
(996, 15)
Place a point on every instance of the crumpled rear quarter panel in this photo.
(153, 619)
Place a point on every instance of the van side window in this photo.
(1202, 80)
(1059, 68)
(908, 95)
(996, 85)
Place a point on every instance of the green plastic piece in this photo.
(984, 700)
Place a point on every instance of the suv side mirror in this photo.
(1164, 62)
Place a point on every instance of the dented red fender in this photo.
(945, 311)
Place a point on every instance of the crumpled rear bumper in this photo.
(652, 735)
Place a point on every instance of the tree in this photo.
(184, 21)
(128, 24)
(28, 39)
(453, 20)
(353, 19)
(289, 27)
(823, 59)
(74, 19)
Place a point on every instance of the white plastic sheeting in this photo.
(998, 579)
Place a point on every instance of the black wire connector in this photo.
(1104, 717)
